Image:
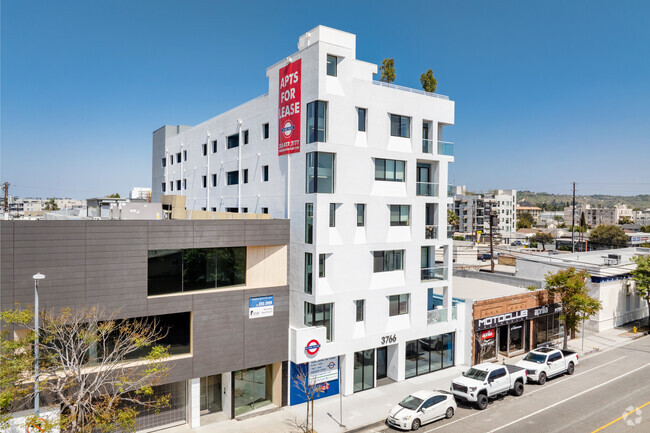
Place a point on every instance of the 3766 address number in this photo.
(387, 339)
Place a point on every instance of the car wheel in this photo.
(449, 413)
(415, 425)
(542, 379)
(518, 390)
(570, 369)
(482, 401)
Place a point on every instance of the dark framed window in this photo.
(361, 214)
(213, 209)
(362, 114)
(185, 155)
(232, 178)
(400, 126)
(317, 121)
(204, 181)
(386, 261)
(178, 157)
(309, 223)
(331, 65)
(244, 176)
(203, 208)
(244, 210)
(214, 146)
(360, 304)
(232, 210)
(265, 210)
(265, 131)
(164, 162)
(214, 180)
(399, 214)
(232, 141)
(309, 273)
(246, 137)
(332, 214)
(429, 354)
(184, 183)
(319, 315)
(320, 172)
(398, 304)
(171, 185)
(321, 265)
(265, 173)
(390, 170)
(178, 185)
(204, 149)
(171, 159)
(164, 187)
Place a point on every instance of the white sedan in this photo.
(421, 408)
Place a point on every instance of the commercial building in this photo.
(473, 209)
(360, 168)
(219, 287)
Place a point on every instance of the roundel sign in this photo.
(312, 347)
(287, 128)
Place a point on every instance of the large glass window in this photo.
(391, 260)
(308, 273)
(400, 126)
(389, 169)
(319, 315)
(320, 172)
(316, 121)
(174, 271)
(232, 141)
(429, 354)
(309, 223)
(399, 214)
(253, 388)
(364, 370)
(398, 304)
(331, 65)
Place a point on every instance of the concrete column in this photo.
(194, 402)
(395, 363)
(346, 384)
(226, 394)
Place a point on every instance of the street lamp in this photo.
(37, 278)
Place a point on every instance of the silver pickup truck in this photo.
(546, 362)
(488, 380)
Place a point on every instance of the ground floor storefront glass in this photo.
(547, 328)
(252, 389)
(429, 354)
(364, 370)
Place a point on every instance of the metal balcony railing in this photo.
(437, 273)
(428, 189)
(427, 146)
(408, 89)
(445, 148)
(431, 232)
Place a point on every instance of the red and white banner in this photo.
(289, 112)
(486, 335)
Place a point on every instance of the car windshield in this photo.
(473, 373)
(535, 357)
(411, 402)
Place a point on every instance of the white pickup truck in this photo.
(546, 362)
(488, 380)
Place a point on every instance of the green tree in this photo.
(571, 287)
(558, 218)
(645, 229)
(50, 205)
(429, 83)
(543, 238)
(114, 195)
(642, 277)
(387, 70)
(608, 236)
(583, 221)
(525, 220)
(625, 220)
(452, 218)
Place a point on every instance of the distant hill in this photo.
(559, 201)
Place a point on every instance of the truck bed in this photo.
(513, 368)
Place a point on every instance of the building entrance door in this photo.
(511, 339)
(382, 362)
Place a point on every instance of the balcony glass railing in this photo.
(428, 189)
(431, 232)
(427, 146)
(450, 232)
(450, 190)
(440, 315)
(445, 148)
(432, 274)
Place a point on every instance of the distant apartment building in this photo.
(534, 211)
(595, 216)
(473, 209)
(34, 208)
(641, 217)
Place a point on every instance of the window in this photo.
(164, 187)
(321, 265)
(308, 273)
(178, 185)
(244, 210)
(429, 354)
(214, 146)
(171, 159)
(332, 214)
(399, 215)
(232, 210)
(331, 65)
(232, 178)
(205, 149)
(203, 208)
(244, 175)
(171, 185)
(309, 223)
(164, 162)
(213, 209)
(361, 214)
(398, 304)
(178, 157)
(361, 113)
(265, 131)
(232, 141)
(320, 172)
(185, 155)
(389, 169)
(214, 180)
(316, 121)
(400, 126)
(265, 173)
(246, 137)
(385, 261)
(319, 315)
(204, 181)
(360, 303)
(184, 183)
(174, 271)
(265, 210)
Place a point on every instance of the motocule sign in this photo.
(289, 108)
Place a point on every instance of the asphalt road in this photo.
(604, 388)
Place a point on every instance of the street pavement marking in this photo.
(620, 417)
(529, 393)
(569, 398)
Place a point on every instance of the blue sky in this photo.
(547, 92)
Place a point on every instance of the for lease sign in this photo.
(289, 108)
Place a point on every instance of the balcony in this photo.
(427, 146)
(408, 89)
(440, 315)
(445, 148)
(431, 232)
(450, 232)
(427, 189)
(437, 273)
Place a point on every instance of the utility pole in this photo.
(493, 219)
(573, 220)
(5, 187)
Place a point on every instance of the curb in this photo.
(367, 426)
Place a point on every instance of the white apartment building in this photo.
(366, 195)
(472, 211)
(595, 216)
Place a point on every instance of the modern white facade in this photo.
(364, 242)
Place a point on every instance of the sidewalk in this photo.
(370, 407)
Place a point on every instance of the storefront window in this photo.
(485, 346)
(429, 354)
(252, 389)
(412, 355)
(364, 370)
(547, 328)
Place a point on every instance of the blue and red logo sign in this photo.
(312, 347)
(331, 365)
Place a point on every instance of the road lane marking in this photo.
(569, 398)
(528, 393)
(620, 418)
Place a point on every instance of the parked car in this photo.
(488, 380)
(421, 408)
(546, 362)
(483, 256)
(517, 244)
